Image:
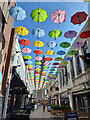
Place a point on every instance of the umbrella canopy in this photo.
(51, 44)
(85, 34)
(70, 34)
(47, 63)
(68, 58)
(58, 59)
(38, 58)
(27, 57)
(17, 13)
(57, 71)
(30, 74)
(61, 52)
(28, 62)
(37, 69)
(78, 18)
(26, 50)
(24, 42)
(72, 52)
(58, 16)
(38, 43)
(38, 52)
(45, 67)
(78, 44)
(49, 52)
(38, 32)
(38, 63)
(48, 59)
(56, 63)
(29, 66)
(44, 72)
(30, 71)
(55, 33)
(64, 63)
(65, 44)
(21, 30)
(38, 15)
(61, 66)
(37, 72)
(37, 66)
(52, 69)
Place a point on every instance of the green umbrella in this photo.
(42, 78)
(55, 33)
(52, 69)
(36, 76)
(57, 71)
(72, 52)
(30, 73)
(45, 67)
(38, 63)
(27, 57)
(38, 15)
(65, 44)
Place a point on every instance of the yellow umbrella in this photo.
(21, 30)
(44, 72)
(49, 74)
(31, 77)
(49, 52)
(37, 69)
(64, 63)
(29, 66)
(38, 43)
(58, 59)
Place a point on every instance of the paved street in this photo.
(40, 114)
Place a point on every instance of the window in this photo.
(2, 21)
(63, 77)
(72, 69)
(60, 80)
(78, 66)
(66, 74)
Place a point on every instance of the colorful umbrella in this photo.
(57, 71)
(30, 71)
(38, 58)
(72, 52)
(27, 57)
(28, 62)
(37, 76)
(58, 59)
(56, 63)
(51, 44)
(38, 63)
(65, 44)
(38, 52)
(26, 50)
(45, 67)
(38, 15)
(51, 72)
(49, 52)
(21, 30)
(37, 72)
(55, 33)
(61, 52)
(24, 42)
(38, 43)
(37, 66)
(61, 66)
(44, 72)
(78, 18)
(47, 63)
(38, 32)
(78, 44)
(37, 69)
(68, 58)
(70, 34)
(52, 69)
(29, 66)
(64, 63)
(48, 59)
(58, 16)
(85, 34)
(17, 13)
(30, 74)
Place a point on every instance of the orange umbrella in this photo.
(30, 68)
(38, 52)
(48, 59)
(24, 42)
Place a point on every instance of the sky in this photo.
(70, 9)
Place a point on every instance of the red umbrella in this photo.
(37, 72)
(58, 16)
(56, 63)
(48, 59)
(43, 74)
(30, 68)
(26, 50)
(24, 42)
(61, 66)
(78, 18)
(85, 34)
(38, 52)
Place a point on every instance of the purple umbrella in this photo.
(78, 45)
(54, 67)
(70, 34)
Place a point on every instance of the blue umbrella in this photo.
(28, 62)
(67, 58)
(52, 44)
(17, 13)
(38, 32)
(51, 72)
(61, 52)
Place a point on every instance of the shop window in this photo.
(78, 65)
(72, 69)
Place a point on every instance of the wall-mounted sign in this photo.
(71, 116)
(87, 58)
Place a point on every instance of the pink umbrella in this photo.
(59, 69)
(54, 67)
(30, 71)
(38, 58)
(58, 16)
(37, 74)
(70, 34)
(78, 45)
(26, 50)
(47, 63)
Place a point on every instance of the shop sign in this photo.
(71, 116)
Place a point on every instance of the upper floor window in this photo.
(72, 69)
(78, 65)
(66, 74)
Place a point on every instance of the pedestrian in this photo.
(43, 107)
